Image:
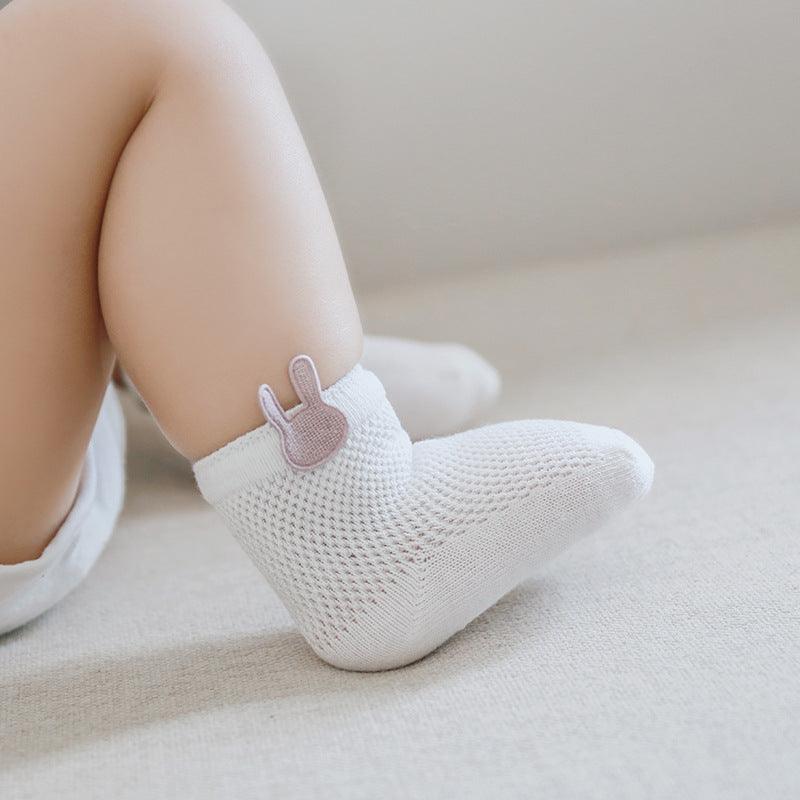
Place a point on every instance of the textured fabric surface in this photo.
(387, 549)
(656, 660)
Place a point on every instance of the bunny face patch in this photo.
(311, 433)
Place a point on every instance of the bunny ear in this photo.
(304, 378)
(273, 411)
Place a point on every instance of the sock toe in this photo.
(627, 466)
(636, 466)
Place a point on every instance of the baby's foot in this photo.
(434, 388)
(382, 549)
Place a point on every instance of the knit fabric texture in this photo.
(386, 550)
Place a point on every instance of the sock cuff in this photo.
(258, 454)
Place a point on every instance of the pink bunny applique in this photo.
(312, 433)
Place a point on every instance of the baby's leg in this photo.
(218, 258)
(71, 95)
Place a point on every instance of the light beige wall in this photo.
(456, 134)
(459, 134)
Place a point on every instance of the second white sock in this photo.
(435, 388)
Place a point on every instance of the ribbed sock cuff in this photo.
(257, 454)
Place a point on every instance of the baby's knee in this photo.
(194, 37)
(151, 36)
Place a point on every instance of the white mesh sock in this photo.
(435, 388)
(387, 549)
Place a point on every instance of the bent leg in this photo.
(219, 260)
(65, 119)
